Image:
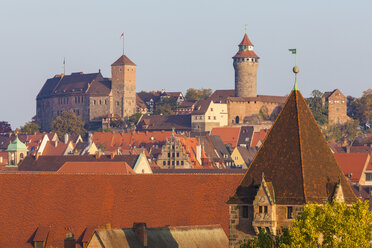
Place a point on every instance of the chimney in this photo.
(141, 232)
(69, 241)
(198, 153)
(106, 226)
(98, 155)
(66, 138)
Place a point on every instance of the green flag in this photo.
(293, 51)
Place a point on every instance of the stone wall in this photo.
(99, 107)
(248, 108)
(245, 79)
(47, 109)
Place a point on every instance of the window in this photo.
(260, 209)
(214, 117)
(173, 155)
(211, 109)
(178, 162)
(209, 117)
(265, 209)
(94, 102)
(172, 162)
(245, 212)
(168, 155)
(368, 176)
(181, 162)
(164, 163)
(21, 155)
(106, 101)
(289, 212)
(168, 162)
(100, 102)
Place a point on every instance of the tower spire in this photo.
(295, 68)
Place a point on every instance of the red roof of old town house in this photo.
(259, 136)
(96, 168)
(229, 135)
(353, 164)
(58, 204)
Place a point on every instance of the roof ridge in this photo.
(300, 142)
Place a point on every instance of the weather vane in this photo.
(295, 68)
(245, 28)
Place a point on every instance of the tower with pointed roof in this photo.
(245, 66)
(123, 86)
(294, 166)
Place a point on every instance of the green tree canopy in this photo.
(343, 134)
(333, 225)
(317, 107)
(30, 128)
(361, 108)
(197, 94)
(69, 123)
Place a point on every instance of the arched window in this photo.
(237, 119)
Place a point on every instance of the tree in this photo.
(133, 119)
(343, 134)
(5, 127)
(332, 225)
(317, 107)
(165, 109)
(361, 108)
(328, 225)
(198, 94)
(30, 128)
(69, 123)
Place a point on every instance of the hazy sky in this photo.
(181, 44)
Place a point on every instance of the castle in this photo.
(243, 101)
(91, 96)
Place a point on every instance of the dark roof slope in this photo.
(74, 83)
(66, 202)
(123, 60)
(296, 159)
(221, 95)
(201, 107)
(165, 122)
(54, 163)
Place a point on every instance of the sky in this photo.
(183, 44)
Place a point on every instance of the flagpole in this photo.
(123, 45)
(64, 66)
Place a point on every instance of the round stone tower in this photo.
(245, 65)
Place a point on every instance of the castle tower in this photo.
(245, 65)
(123, 87)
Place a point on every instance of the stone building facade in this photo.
(173, 155)
(293, 167)
(337, 107)
(208, 115)
(90, 96)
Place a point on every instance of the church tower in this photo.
(123, 87)
(245, 65)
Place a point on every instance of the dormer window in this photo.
(38, 244)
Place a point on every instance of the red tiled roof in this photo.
(229, 135)
(54, 148)
(352, 164)
(73, 202)
(96, 168)
(259, 136)
(245, 41)
(246, 54)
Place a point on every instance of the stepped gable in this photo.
(123, 60)
(296, 159)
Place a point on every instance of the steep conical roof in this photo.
(123, 60)
(16, 145)
(296, 159)
(245, 41)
